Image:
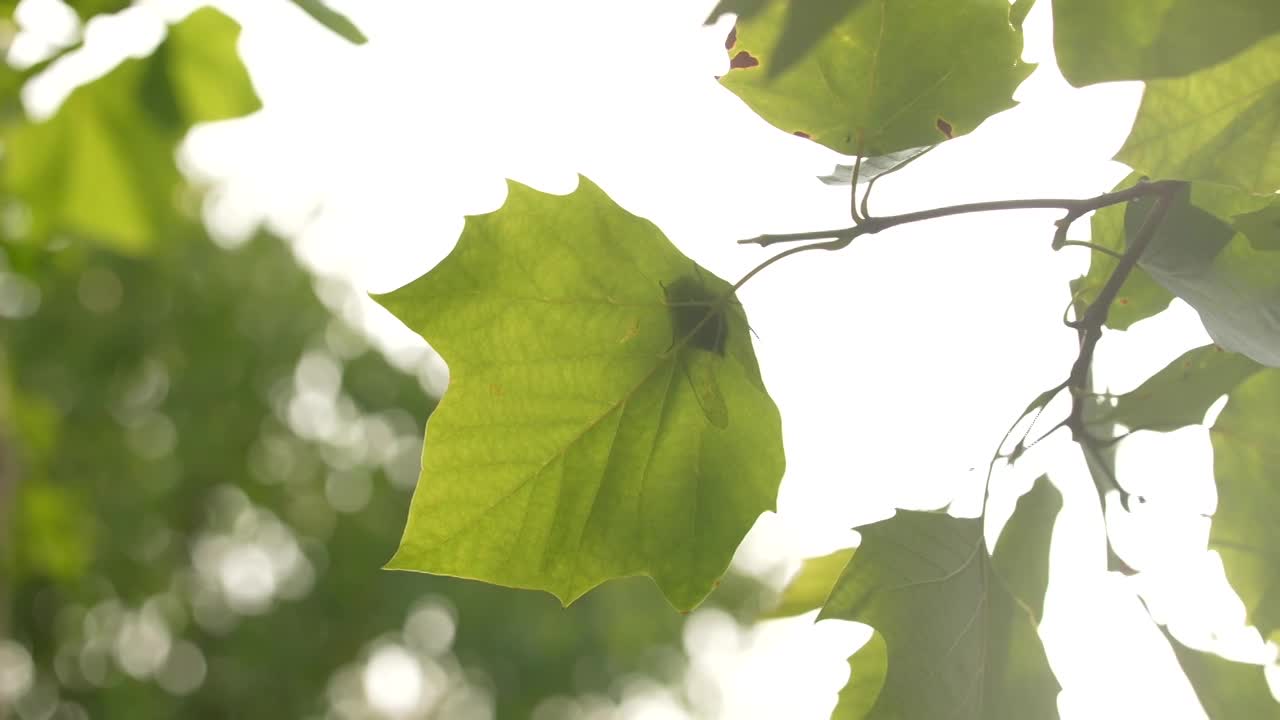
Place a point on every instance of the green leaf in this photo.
(1181, 393)
(1226, 688)
(867, 670)
(1104, 40)
(333, 20)
(103, 166)
(572, 446)
(87, 9)
(887, 77)
(960, 625)
(1217, 125)
(1244, 531)
(809, 589)
(806, 24)
(1232, 285)
(1140, 297)
(1262, 227)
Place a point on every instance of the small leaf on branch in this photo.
(605, 414)
(960, 625)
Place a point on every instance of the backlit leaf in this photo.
(1217, 125)
(1244, 531)
(1181, 393)
(574, 443)
(335, 21)
(960, 625)
(809, 589)
(1232, 285)
(103, 166)
(1104, 40)
(1226, 688)
(889, 76)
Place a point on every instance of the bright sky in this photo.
(897, 363)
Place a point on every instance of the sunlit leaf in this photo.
(1244, 531)
(809, 589)
(806, 24)
(571, 446)
(1140, 297)
(333, 20)
(1226, 688)
(1232, 285)
(103, 166)
(960, 625)
(867, 670)
(1217, 125)
(1104, 40)
(887, 77)
(1181, 393)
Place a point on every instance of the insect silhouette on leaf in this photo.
(698, 323)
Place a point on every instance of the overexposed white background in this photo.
(897, 363)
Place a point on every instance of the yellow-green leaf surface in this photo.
(1227, 689)
(1218, 125)
(1201, 258)
(888, 77)
(868, 668)
(1140, 297)
(1181, 393)
(1105, 40)
(960, 625)
(103, 166)
(580, 438)
(1246, 455)
(809, 589)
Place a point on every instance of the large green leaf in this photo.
(595, 425)
(1245, 533)
(1181, 393)
(1234, 286)
(1104, 40)
(1140, 297)
(888, 76)
(1227, 689)
(960, 625)
(1217, 125)
(103, 167)
(809, 589)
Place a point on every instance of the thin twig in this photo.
(1075, 208)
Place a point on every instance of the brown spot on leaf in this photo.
(1122, 301)
(944, 127)
(495, 389)
(803, 134)
(732, 40)
(743, 60)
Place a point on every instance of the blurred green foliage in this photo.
(203, 467)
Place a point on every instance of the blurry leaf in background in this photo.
(88, 8)
(333, 20)
(960, 626)
(859, 90)
(236, 468)
(630, 462)
(1104, 40)
(809, 589)
(103, 167)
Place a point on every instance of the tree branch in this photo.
(1074, 207)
